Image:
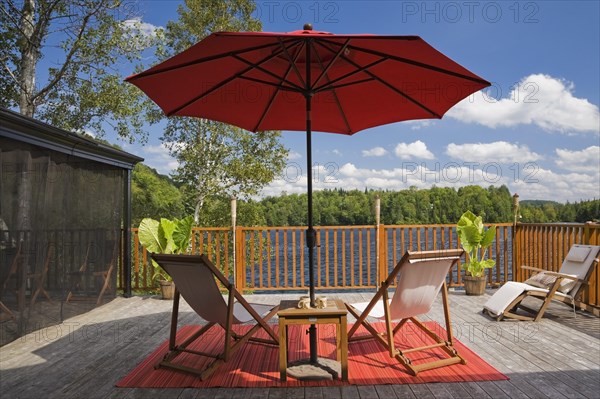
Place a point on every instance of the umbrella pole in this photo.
(310, 232)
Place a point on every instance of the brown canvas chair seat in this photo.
(195, 279)
(420, 277)
(547, 286)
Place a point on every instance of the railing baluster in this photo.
(345, 282)
(335, 258)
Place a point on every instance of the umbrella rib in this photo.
(374, 77)
(356, 82)
(335, 96)
(394, 89)
(224, 82)
(272, 99)
(206, 93)
(419, 64)
(266, 71)
(291, 61)
(152, 71)
(330, 83)
(273, 84)
(333, 60)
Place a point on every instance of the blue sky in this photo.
(537, 129)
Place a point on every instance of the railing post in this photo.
(515, 239)
(233, 224)
(238, 262)
(377, 240)
(382, 254)
(587, 233)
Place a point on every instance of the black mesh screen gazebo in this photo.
(64, 203)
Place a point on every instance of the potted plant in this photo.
(475, 240)
(165, 237)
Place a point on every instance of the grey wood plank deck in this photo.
(85, 356)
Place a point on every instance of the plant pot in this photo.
(167, 289)
(474, 285)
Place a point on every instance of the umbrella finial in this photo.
(308, 26)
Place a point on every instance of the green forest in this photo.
(157, 196)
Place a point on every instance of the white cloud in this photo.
(144, 28)
(547, 184)
(587, 160)
(336, 152)
(537, 99)
(416, 150)
(375, 152)
(530, 183)
(419, 124)
(293, 155)
(498, 151)
(158, 157)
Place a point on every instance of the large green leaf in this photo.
(466, 219)
(150, 237)
(470, 236)
(488, 237)
(166, 229)
(182, 234)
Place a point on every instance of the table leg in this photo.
(338, 341)
(282, 349)
(344, 347)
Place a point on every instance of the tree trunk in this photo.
(29, 47)
(199, 204)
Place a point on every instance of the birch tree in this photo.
(217, 159)
(82, 42)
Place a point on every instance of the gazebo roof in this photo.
(22, 128)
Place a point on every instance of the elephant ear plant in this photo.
(473, 237)
(165, 237)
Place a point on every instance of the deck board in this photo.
(85, 356)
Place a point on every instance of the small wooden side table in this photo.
(335, 313)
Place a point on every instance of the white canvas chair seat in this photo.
(377, 311)
(195, 279)
(564, 286)
(420, 277)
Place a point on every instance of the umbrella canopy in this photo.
(308, 80)
(259, 80)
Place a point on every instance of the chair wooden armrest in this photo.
(537, 269)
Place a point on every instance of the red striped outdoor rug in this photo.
(257, 365)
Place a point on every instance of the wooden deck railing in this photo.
(212, 241)
(346, 257)
(358, 257)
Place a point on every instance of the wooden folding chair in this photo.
(78, 276)
(106, 275)
(5, 309)
(547, 286)
(194, 277)
(37, 277)
(14, 266)
(420, 276)
(40, 276)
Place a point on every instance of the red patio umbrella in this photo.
(308, 80)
